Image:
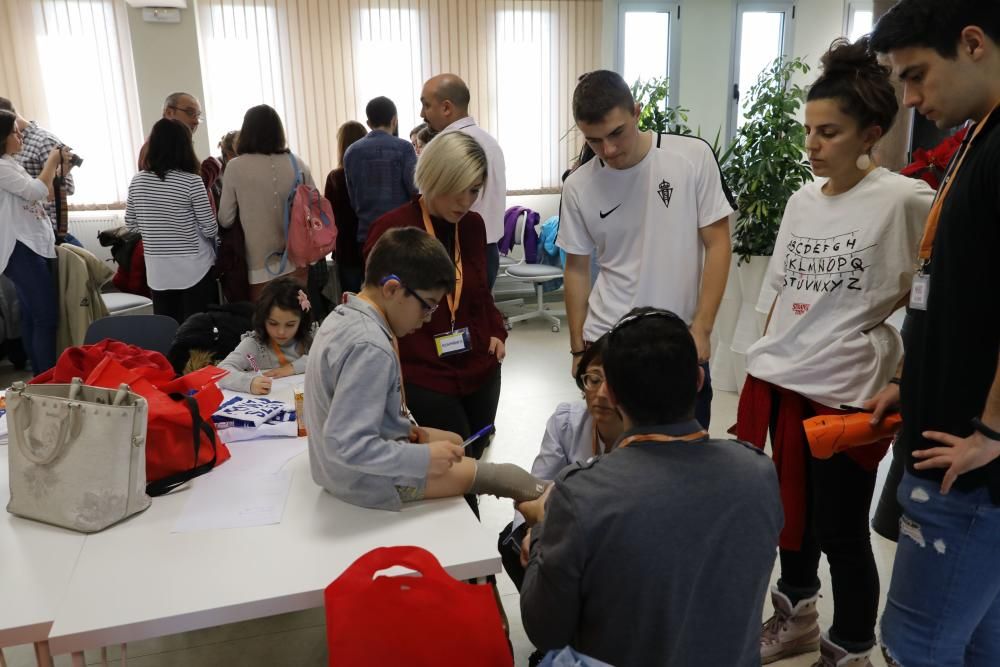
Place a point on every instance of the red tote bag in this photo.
(80, 362)
(181, 440)
(427, 620)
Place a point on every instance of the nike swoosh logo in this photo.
(604, 215)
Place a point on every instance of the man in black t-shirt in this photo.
(943, 606)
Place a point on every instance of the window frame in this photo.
(118, 135)
(409, 36)
(311, 65)
(787, 39)
(851, 6)
(673, 10)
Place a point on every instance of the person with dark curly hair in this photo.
(843, 263)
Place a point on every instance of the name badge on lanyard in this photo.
(453, 342)
(921, 288)
(920, 291)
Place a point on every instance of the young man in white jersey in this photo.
(655, 210)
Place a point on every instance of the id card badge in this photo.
(454, 342)
(919, 291)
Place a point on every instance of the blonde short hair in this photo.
(453, 162)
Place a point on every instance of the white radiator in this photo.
(86, 225)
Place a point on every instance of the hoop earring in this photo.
(864, 162)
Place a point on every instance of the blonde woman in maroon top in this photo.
(451, 366)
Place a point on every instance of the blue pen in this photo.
(486, 430)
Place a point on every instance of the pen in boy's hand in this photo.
(477, 435)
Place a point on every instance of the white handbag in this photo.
(77, 454)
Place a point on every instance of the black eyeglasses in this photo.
(191, 113)
(429, 308)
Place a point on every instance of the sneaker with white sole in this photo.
(832, 655)
(791, 630)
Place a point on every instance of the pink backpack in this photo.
(310, 233)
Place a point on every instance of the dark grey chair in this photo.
(150, 332)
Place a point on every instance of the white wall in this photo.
(817, 23)
(166, 61)
(707, 28)
(609, 33)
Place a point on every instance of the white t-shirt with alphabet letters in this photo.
(841, 263)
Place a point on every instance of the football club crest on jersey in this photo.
(666, 191)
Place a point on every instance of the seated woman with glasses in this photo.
(575, 432)
(451, 365)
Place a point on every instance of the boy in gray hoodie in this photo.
(364, 446)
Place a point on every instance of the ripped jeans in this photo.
(943, 605)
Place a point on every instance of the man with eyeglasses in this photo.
(659, 552)
(182, 107)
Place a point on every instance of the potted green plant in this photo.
(655, 115)
(763, 165)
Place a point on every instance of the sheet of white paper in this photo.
(264, 431)
(235, 501)
(261, 457)
(282, 389)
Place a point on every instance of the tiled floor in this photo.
(535, 379)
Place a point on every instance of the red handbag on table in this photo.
(430, 619)
(181, 440)
(80, 361)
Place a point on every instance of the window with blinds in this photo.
(318, 64)
(68, 65)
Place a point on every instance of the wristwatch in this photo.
(985, 430)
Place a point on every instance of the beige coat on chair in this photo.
(81, 276)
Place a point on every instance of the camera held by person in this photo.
(74, 159)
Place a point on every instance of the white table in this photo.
(36, 564)
(156, 582)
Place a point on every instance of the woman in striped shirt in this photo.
(168, 204)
